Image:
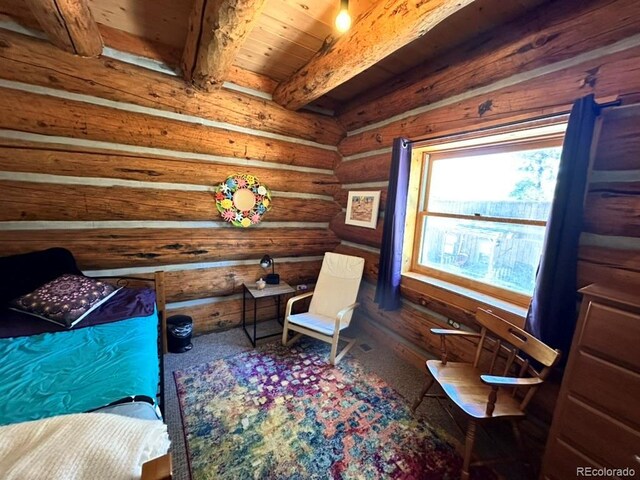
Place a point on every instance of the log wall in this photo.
(610, 249)
(532, 68)
(118, 164)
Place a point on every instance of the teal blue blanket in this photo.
(77, 370)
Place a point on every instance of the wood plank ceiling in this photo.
(287, 34)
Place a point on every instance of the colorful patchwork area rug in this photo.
(286, 413)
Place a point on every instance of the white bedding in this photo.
(82, 446)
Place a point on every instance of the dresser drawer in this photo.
(607, 386)
(562, 461)
(599, 436)
(613, 333)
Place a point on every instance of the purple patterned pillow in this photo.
(65, 300)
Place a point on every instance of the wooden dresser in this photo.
(597, 419)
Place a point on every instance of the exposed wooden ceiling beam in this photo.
(143, 47)
(217, 30)
(385, 28)
(555, 32)
(146, 48)
(68, 25)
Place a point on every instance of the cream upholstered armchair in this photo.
(332, 305)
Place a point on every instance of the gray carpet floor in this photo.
(380, 359)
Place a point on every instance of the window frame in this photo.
(543, 137)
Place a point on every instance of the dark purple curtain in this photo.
(552, 313)
(388, 288)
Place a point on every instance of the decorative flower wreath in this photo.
(242, 200)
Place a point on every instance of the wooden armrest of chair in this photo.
(510, 381)
(157, 469)
(497, 382)
(449, 331)
(343, 312)
(293, 300)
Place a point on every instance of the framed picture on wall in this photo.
(362, 209)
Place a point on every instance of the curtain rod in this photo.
(614, 103)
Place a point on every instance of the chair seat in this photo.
(314, 321)
(462, 384)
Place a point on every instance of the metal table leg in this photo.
(244, 316)
(279, 318)
(278, 311)
(244, 301)
(255, 321)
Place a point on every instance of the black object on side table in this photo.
(268, 292)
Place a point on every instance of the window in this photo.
(482, 210)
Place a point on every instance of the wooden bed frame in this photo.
(159, 468)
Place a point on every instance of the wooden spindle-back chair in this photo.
(503, 389)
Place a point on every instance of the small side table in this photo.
(269, 291)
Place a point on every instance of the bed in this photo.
(109, 363)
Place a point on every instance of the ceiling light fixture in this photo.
(343, 20)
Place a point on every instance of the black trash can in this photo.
(179, 331)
